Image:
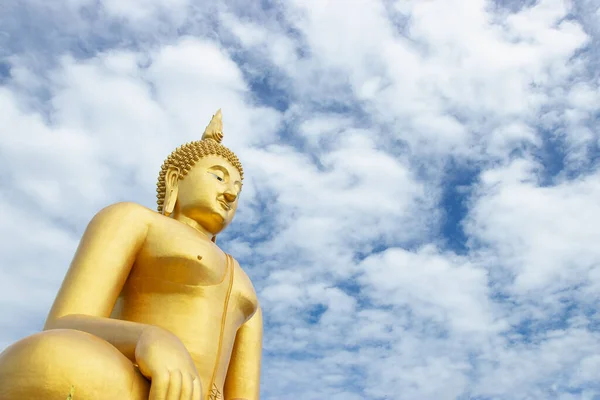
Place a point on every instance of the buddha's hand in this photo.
(164, 360)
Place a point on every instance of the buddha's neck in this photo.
(190, 222)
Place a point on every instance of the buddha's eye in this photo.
(217, 176)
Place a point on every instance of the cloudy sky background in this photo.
(421, 210)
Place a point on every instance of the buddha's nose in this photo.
(229, 196)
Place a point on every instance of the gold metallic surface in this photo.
(150, 307)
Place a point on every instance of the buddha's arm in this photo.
(243, 375)
(97, 274)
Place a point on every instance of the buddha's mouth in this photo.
(225, 205)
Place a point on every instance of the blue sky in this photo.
(420, 209)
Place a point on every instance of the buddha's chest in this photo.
(177, 266)
(178, 256)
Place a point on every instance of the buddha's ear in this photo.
(172, 188)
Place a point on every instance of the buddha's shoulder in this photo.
(242, 277)
(127, 212)
(246, 294)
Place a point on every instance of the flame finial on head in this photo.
(214, 130)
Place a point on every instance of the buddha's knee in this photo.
(48, 364)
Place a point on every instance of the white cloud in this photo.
(434, 288)
(544, 235)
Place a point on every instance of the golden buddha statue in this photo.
(150, 307)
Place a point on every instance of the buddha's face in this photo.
(209, 193)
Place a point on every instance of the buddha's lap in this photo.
(47, 364)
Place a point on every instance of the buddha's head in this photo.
(202, 180)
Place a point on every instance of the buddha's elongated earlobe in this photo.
(172, 188)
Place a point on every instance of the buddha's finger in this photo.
(197, 392)
(187, 387)
(159, 385)
(174, 392)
